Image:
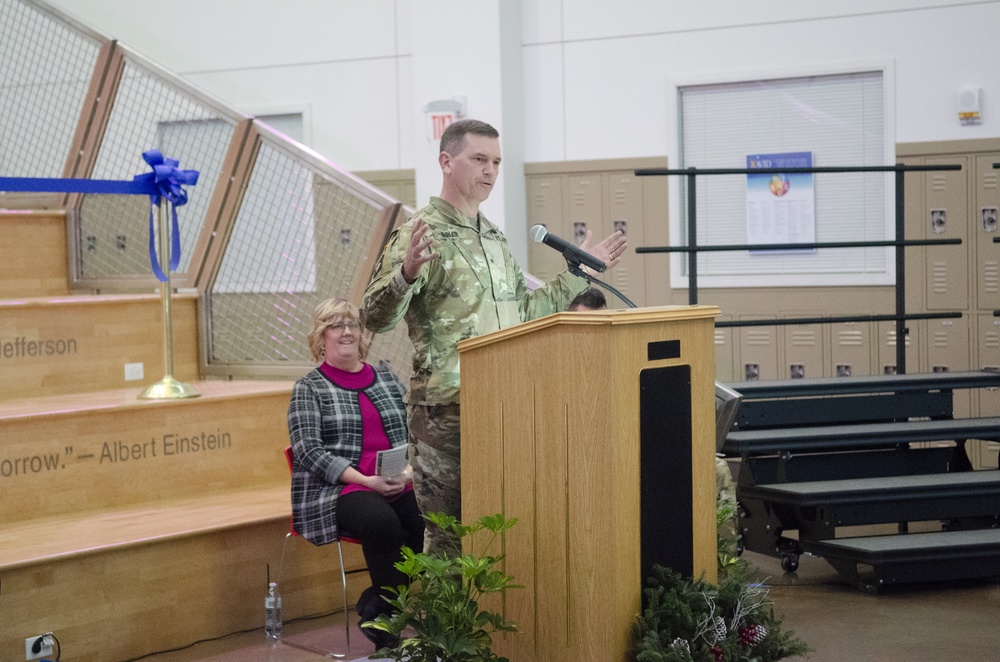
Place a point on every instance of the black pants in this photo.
(383, 527)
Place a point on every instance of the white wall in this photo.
(596, 76)
(475, 64)
(345, 64)
(438, 31)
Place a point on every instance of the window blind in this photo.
(840, 119)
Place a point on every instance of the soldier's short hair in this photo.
(453, 139)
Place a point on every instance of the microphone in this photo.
(572, 253)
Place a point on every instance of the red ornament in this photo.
(717, 652)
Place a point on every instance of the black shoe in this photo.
(381, 638)
(368, 606)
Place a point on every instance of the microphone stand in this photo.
(574, 268)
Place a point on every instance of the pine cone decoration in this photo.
(718, 630)
(752, 635)
(681, 645)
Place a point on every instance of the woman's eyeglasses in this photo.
(340, 326)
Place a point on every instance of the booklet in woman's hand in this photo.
(391, 462)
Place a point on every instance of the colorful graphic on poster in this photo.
(780, 206)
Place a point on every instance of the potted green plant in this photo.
(438, 617)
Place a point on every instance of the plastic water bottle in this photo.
(272, 613)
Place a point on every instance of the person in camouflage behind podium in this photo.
(449, 273)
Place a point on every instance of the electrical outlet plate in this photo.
(133, 372)
(44, 651)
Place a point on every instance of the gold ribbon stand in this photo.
(167, 388)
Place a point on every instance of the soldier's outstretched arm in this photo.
(417, 253)
(609, 251)
(396, 276)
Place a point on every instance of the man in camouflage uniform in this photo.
(449, 272)
(726, 507)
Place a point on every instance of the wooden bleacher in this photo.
(822, 455)
(131, 526)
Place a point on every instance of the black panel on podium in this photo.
(665, 468)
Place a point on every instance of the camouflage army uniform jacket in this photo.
(474, 287)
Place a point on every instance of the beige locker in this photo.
(986, 217)
(571, 198)
(109, 248)
(887, 347)
(725, 361)
(948, 349)
(988, 356)
(988, 400)
(586, 212)
(586, 206)
(400, 184)
(546, 206)
(947, 217)
(915, 228)
(625, 212)
(803, 348)
(948, 345)
(988, 456)
(656, 266)
(851, 349)
(758, 355)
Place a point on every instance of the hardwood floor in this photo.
(319, 634)
(911, 623)
(922, 623)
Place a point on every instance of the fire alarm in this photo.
(970, 105)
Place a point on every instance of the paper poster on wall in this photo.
(780, 207)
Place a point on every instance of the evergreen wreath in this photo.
(689, 620)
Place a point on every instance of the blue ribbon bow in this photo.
(167, 179)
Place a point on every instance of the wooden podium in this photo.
(596, 430)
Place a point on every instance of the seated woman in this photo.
(341, 415)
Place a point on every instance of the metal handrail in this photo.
(692, 249)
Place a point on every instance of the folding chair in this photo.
(290, 458)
